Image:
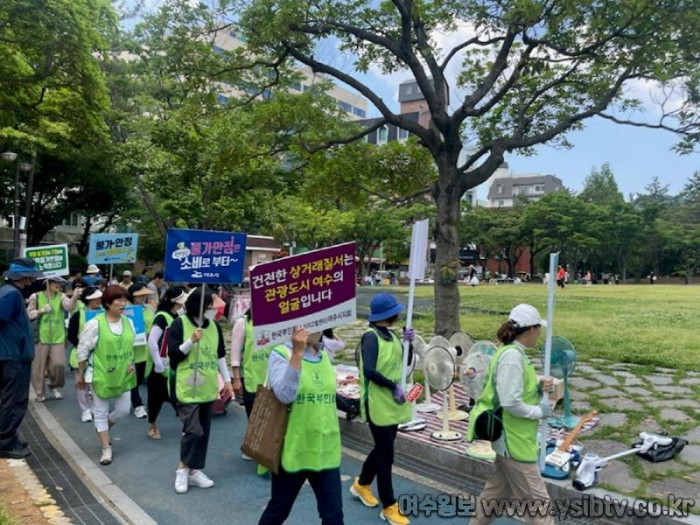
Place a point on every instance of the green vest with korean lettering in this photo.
(254, 361)
(384, 411)
(195, 379)
(52, 330)
(141, 351)
(520, 433)
(312, 439)
(111, 359)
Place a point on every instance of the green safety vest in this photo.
(196, 378)
(111, 360)
(384, 411)
(52, 330)
(312, 439)
(520, 433)
(141, 351)
(73, 358)
(149, 360)
(254, 361)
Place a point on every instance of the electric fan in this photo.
(417, 423)
(439, 367)
(563, 364)
(476, 366)
(420, 348)
(455, 414)
(461, 342)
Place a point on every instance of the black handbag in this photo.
(488, 425)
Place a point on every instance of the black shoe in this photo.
(16, 453)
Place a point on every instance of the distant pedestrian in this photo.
(92, 275)
(138, 294)
(16, 354)
(126, 281)
(561, 276)
(158, 286)
(652, 278)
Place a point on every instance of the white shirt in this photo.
(88, 341)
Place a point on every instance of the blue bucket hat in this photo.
(384, 306)
(23, 267)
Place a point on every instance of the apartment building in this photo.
(506, 190)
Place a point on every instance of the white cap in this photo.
(93, 269)
(126, 273)
(524, 316)
(97, 294)
(182, 298)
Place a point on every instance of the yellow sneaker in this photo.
(393, 515)
(364, 492)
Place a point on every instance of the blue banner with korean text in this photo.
(203, 256)
(113, 248)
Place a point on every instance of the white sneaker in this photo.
(57, 394)
(106, 458)
(86, 416)
(246, 458)
(181, 484)
(140, 412)
(200, 479)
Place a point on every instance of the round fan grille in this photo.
(461, 342)
(439, 368)
(563, 358)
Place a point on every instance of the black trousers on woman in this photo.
(136, 400)
(286, 487)
(379, 462)
(196, 424)
(248, 399)
(157, 389)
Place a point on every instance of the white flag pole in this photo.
(553, 263)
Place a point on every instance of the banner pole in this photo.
(553, 261)
(409, 319)
(196, 355)
(111, 268)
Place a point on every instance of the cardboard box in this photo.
(557, 393)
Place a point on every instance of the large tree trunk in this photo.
(447, 264)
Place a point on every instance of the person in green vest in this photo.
(197, 352)
(382, 403)
(301, 375)
(252, 373)
(50, 307)
(159, 369)
(106, 359)
(90, 300)
(512, 384)
(138, 296)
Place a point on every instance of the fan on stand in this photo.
(461, 342)
(420, 348)
(455, 414)
(563, 364)
(439, 367)
(473, 374)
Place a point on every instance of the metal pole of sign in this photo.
(196, 355)
(111, 268)
(553, 262)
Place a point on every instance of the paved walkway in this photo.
(145, 471)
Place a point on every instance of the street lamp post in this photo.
(10, 156)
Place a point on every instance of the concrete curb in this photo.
(105, 491)
(462, 466)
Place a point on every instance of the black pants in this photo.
(248, 400)
(196, 424)
(157, 390)
(560, 283)
(379, 462)
(286, 487)
(15, 377)
(136, 400)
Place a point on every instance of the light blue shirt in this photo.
(283, 378)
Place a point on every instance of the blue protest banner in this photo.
(135, 313)
(202, 256)
(113, 248)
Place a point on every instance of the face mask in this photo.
(181, 312)
(210, 314)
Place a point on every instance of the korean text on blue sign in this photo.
(202, 256)
(113, 248)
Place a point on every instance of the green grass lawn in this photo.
(648, 325)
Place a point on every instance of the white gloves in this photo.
(46, 309)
